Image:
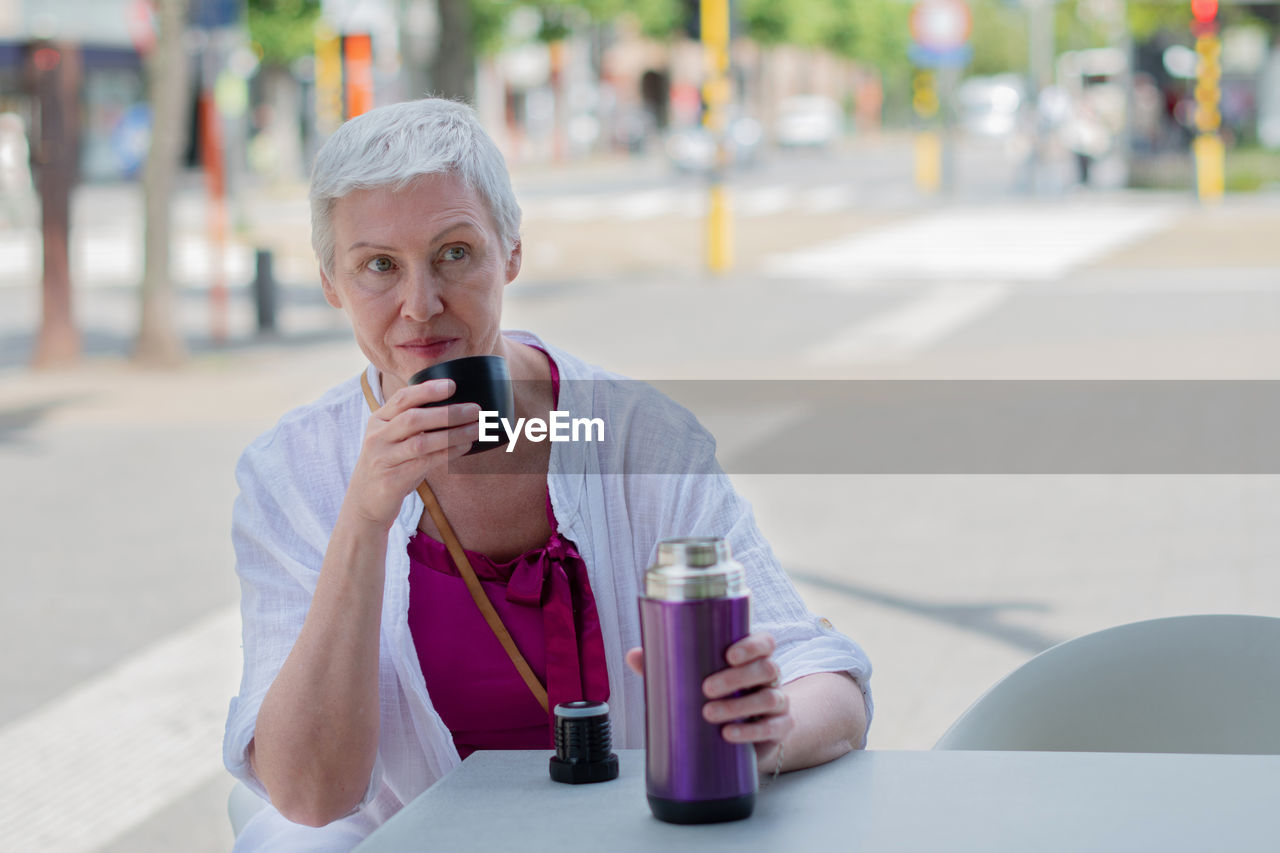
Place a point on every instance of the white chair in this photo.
(1205, 683)
(242, 804)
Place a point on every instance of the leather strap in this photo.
(469, 575)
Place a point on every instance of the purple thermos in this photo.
(695, 605)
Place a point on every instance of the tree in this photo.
(999, 38)
(453, 67)
(282, 30)
(472, 28)
(873, 32)
(54, 72)
(158, 342)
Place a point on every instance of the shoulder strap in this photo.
(469, 576)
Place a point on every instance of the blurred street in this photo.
(119, 613)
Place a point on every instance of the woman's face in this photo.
(420, 272)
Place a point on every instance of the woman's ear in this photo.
(330, 292)
(513, 261)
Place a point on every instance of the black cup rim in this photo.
(495, 364)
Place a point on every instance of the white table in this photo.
(940, 802)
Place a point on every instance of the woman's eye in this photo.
(454, 253)
(380, 264)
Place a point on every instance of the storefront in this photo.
(114, 123)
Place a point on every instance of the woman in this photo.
(366, 672)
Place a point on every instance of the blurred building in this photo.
(111, 37)
(112, 89)
(599, 86)
(607, 87)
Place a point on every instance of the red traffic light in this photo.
(46, 58)
(1204, 11)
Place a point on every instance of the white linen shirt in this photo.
(292, 483)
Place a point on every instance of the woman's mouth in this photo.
(427, 348)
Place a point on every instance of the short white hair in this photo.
(390, 146)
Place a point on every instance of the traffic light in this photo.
(1204, 15)
(46, 58)
(924, 94)
(1204, 11)
(1209, 68)
(1207, 147)
(1208, 83)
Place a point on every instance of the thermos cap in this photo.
(584, 743)
(694, 569)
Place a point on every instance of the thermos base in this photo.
(702, 811)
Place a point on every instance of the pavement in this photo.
(117, 480)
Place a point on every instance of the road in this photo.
(119, 606)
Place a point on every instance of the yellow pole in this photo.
(1211, 167)
(928, 161)
(328, 79)
(928, 149)
(716, 93)
(1208, 150)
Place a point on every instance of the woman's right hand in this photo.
(316, 738)
(404, 444)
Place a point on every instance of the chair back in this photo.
(1204, 683)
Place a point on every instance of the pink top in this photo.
(544, 598)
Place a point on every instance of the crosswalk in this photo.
(111, 253)
(113, 257)
(966, 263)
(1020, 240)
(1026, 242)
(691, 201)
(906, 329)
(108, 754)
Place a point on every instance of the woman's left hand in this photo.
(746, 697)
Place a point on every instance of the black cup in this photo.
(480, 379)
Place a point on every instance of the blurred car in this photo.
(693, 149)
(632, 129)
(990, 106)
(1269, 103)
(807, 121)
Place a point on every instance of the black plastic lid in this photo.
(582, 772)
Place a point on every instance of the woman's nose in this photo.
(420, 298)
